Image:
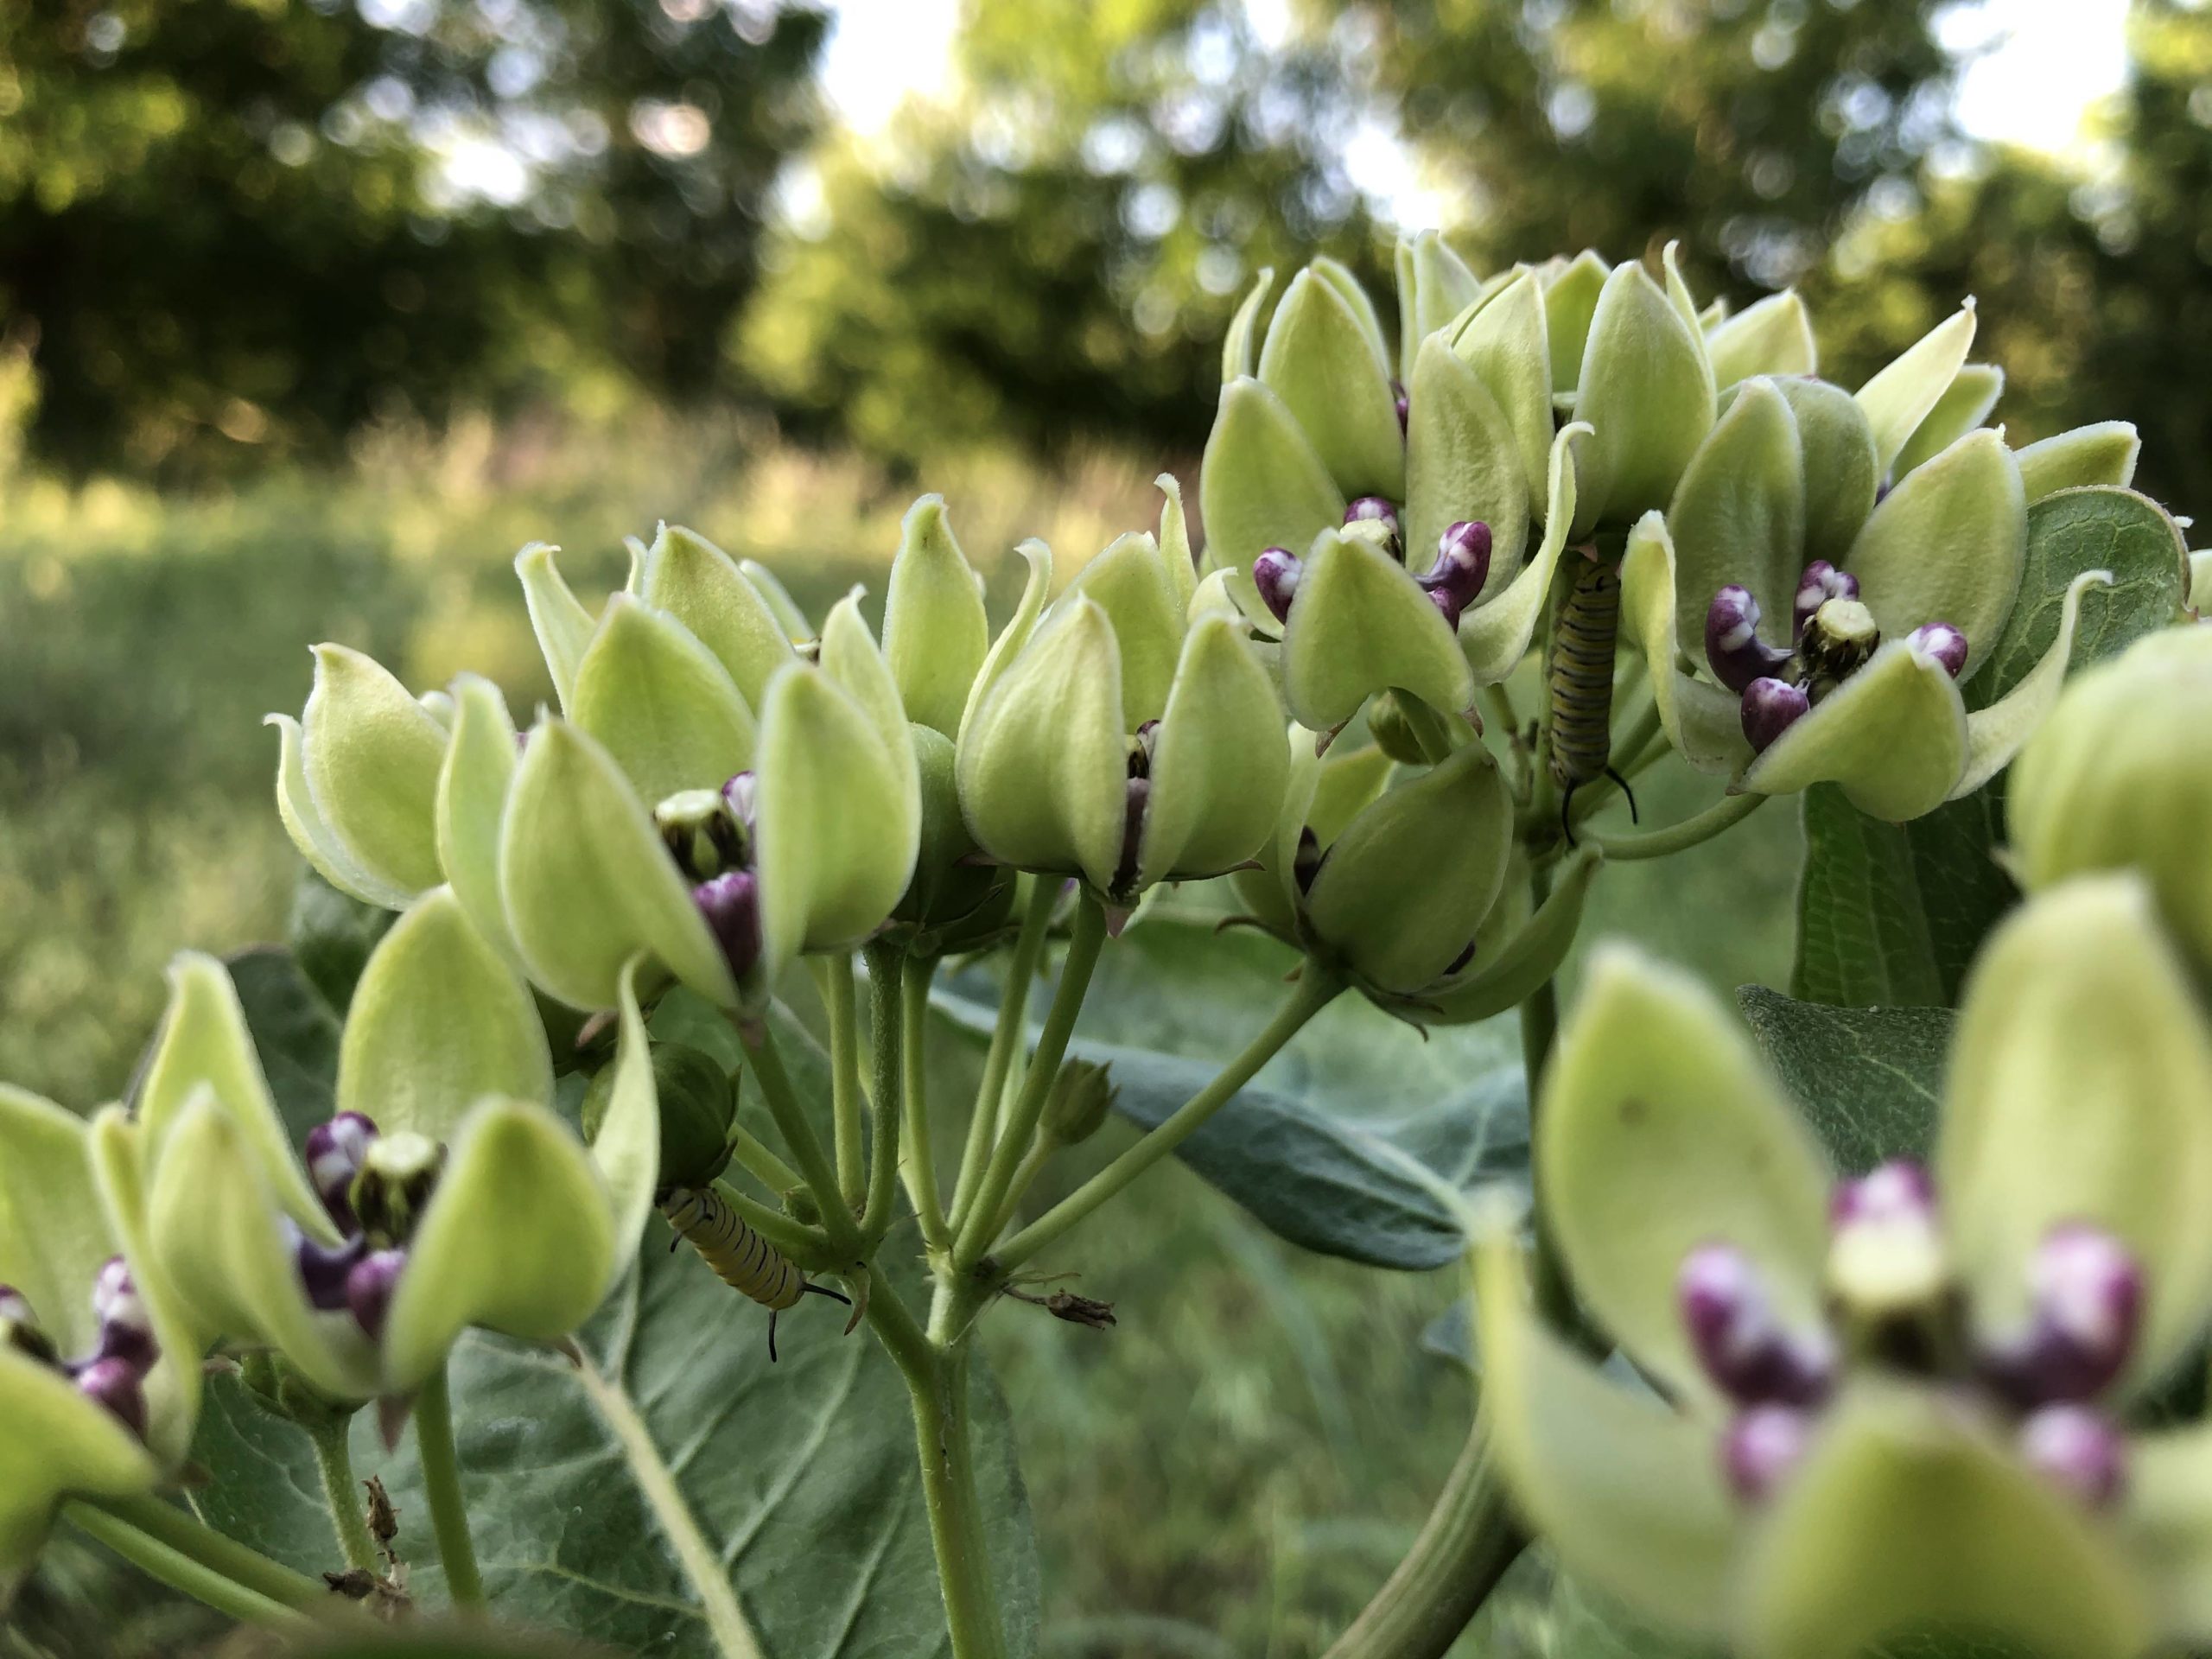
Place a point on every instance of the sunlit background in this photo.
(313, 311)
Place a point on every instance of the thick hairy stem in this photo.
(348, 1515)
(1725, 813)
(783, 1105)
(177, 1530)
(172, 1566)
(441, 1492)
(1083, 946)
(921, 1155)
(887, 1042)
(1006, 1042)
(1464, 1547)
(1317, 987)
(936, 1384)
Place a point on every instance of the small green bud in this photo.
(2119, 776)
(935, 633)
(399, 1172)
(946, 888)
(1646, 386)
(799, 1204)
(1083, 1093)
(1390, 724)
(698, 1104)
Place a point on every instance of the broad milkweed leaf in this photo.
(1870, 1080)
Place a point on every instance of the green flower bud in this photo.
(702, 587)
(1400, 895)
(1083, 1093)
(949, 886)
(1435, 286)
(698, 1104)
(1646, 387)
(1965, 405)
(1898, 398)
(935, 633)
(2102, 453)
(358, 779)
(660, 702)
(1774, 337)
(2120, 776)
(1392, 725)
(1324, 360)
(563, 626)
(1570, 293)
(1504, 342)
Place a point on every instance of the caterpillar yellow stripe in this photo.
(1580, 687)
(741, 1258)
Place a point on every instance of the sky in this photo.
(2040, 66)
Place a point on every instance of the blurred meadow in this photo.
(314, 312)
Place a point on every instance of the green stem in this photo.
(798, 1134)
(1728, 811)
(163, 1562)
(936, 1384)
(1539, 1032)
(886, 1041)
(726, 1619)
(348, 1517)
(920, 1158)
(441, 1491)
(1006, 1037)
(762, 1164)
(845, 1077)
(1464, 1547)
(1033, 1165)
(1083, 946)
(1317, 987)
(177, 1530)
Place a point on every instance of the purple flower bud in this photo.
(322, 1268)
(731, 904)
(1942, 642)
(1771, 707)
(1404, 404)
(1461, 568)
(2087, 1292)
(1743, 1347)
(738, 795)
(1276, 574)
(369, 1288)
(118, 1385)
(336, 1151)
(2078, 1449)
(1376, 510)
(1822, 582)
(1760, 1446)
(126, 1328)
(1732, 645)
(1900, 1190)
(1134, 802)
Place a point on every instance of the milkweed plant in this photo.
(665, 1086)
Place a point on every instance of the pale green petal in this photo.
(173, 1385)
(520, 1238)
(1947, 545)
(55, 1444)
(1995, 734)
(1738, 515)
(702, 587)
(852, 662)
(54, 1234)
(1627, 1494)
(371, 755)
(1504, 343)
(1130, 582)
(215, 1227)
(1660, 1130)
(1495, 637)
(1238, 359)
(1217, 772)
(2166, 1527)
(627, 1149)
(839, 818)
(1271, 892)
(1463, 463)
(204, 1040)
(1965, 405)
(471, 796)
(2080, 1090)
(587, 882)
(2103, 453)
(1362, 625)
(1261, 484)
(1773, 337)
(1840, 471)
(1435, 286)
(1338, 275)
(1894, 736)
(438, 1021)
(1646, 390)
(563, 626)
(780, 604)
(1703, 722)
(318, 842)
(1175, 553)
(660, 702)
(1908, 1513)
(1526, 952)
(633, 581)
(1016, 634)
(935, 632)
(1570, 303)
(1043, 764)
(1900, 398)
(1317, 359)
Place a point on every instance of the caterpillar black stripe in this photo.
(740, 1257)
(1580, 688)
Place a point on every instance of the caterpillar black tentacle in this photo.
(1580, 685)
(740, 1257)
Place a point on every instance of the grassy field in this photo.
(1231, 1472)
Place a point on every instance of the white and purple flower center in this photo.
(709, 834)
(1894, 1303)
(1832, 637)
(113, 1374)
(373, 1187)
(1461, 566)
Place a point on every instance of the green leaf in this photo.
(331, 935)
(472, 1643)
(1869, 1079)
(294, 1033)
(1890, 914)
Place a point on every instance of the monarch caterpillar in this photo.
(741, 1258)
(1580, 685)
